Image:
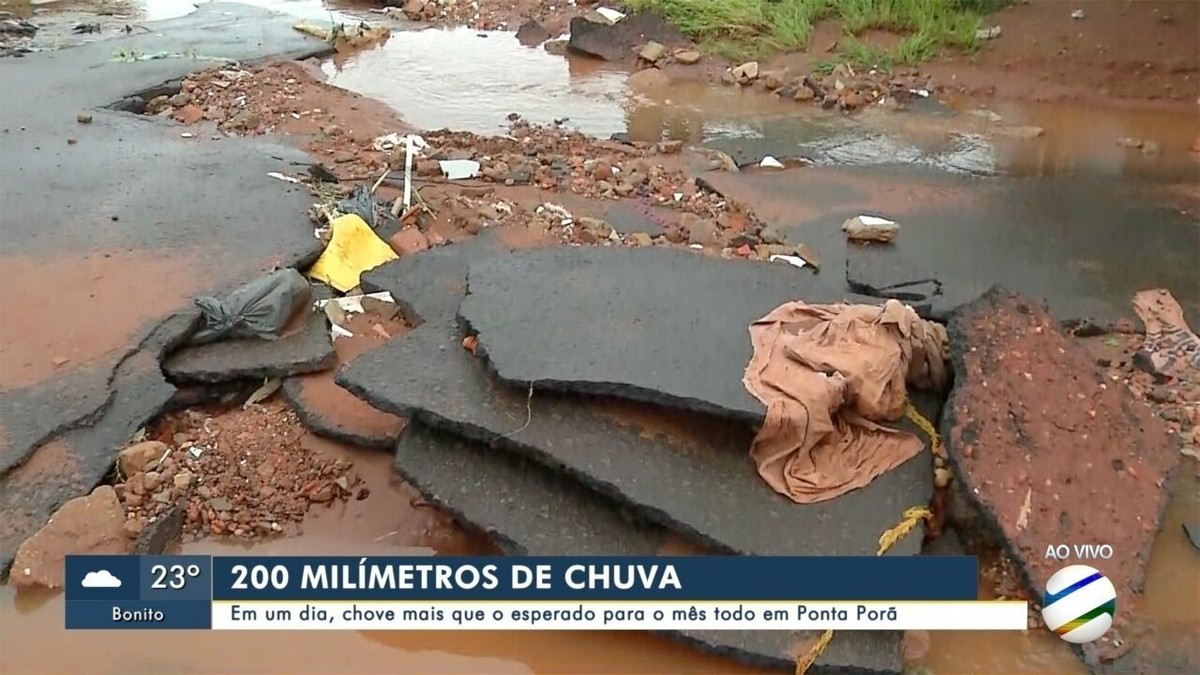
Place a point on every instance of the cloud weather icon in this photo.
(100, 579)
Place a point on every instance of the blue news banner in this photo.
(177, 592)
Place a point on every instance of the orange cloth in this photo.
(827, 374)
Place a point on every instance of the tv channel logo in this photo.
(1080, 604)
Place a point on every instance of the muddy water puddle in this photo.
(469, 80)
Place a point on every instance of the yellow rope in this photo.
(912, 517)
(935, 441)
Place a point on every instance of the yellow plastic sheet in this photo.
(353, 249)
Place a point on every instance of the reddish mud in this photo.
(391, 521)
(1026, 394)
(1137, 54)
(93, 306)
(339, 408)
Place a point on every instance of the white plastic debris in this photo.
(387, 142)
(279, 176)
(187, 134)
(413, 145)
(793, 260)
(678, 196)
(564, 215)
(989, 33)
(610, 14)
(1077, 14)
(458, 169)
(698, 247)
(770, 162)
(353, 303)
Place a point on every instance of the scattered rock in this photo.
(83, 118)
(246, 120)
(189, 114)
(408, 241)
(702, 231)
(773, 79)
(770, 235)
(142, 457)
(94, 524)
(745, 73)
(652, 52)
(531, 33)
(870, 228)
(641, 239)
(691, 56)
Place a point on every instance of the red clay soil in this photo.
(1051, 452)
(1131, 52)
(347, 416)
(70, 310)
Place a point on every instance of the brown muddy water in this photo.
(462, 79)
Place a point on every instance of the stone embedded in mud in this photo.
(1031, 420)
(94, 524)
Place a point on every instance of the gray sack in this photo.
(260, 309)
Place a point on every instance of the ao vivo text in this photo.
(1079, 552)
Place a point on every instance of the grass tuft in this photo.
(753, 28)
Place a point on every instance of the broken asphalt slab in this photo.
(431, 284)
(128, 170)
(304, 347)
(74, 462)
(658, 325)
(686, 472)
(532, 510)
(1065, 240)
(1048, 451)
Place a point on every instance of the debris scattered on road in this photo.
(793, 260)
(1170, 347)
(1077, 14)
(84, 118)
(340, 35)
(252, 478)
(353, 249)
(274, 174)
(870, 228)
(770, 162)
(459, 169)
(988, 33)
(260, 308)
(266, 391)
(85, 28)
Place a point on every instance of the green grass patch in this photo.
(753, 28)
